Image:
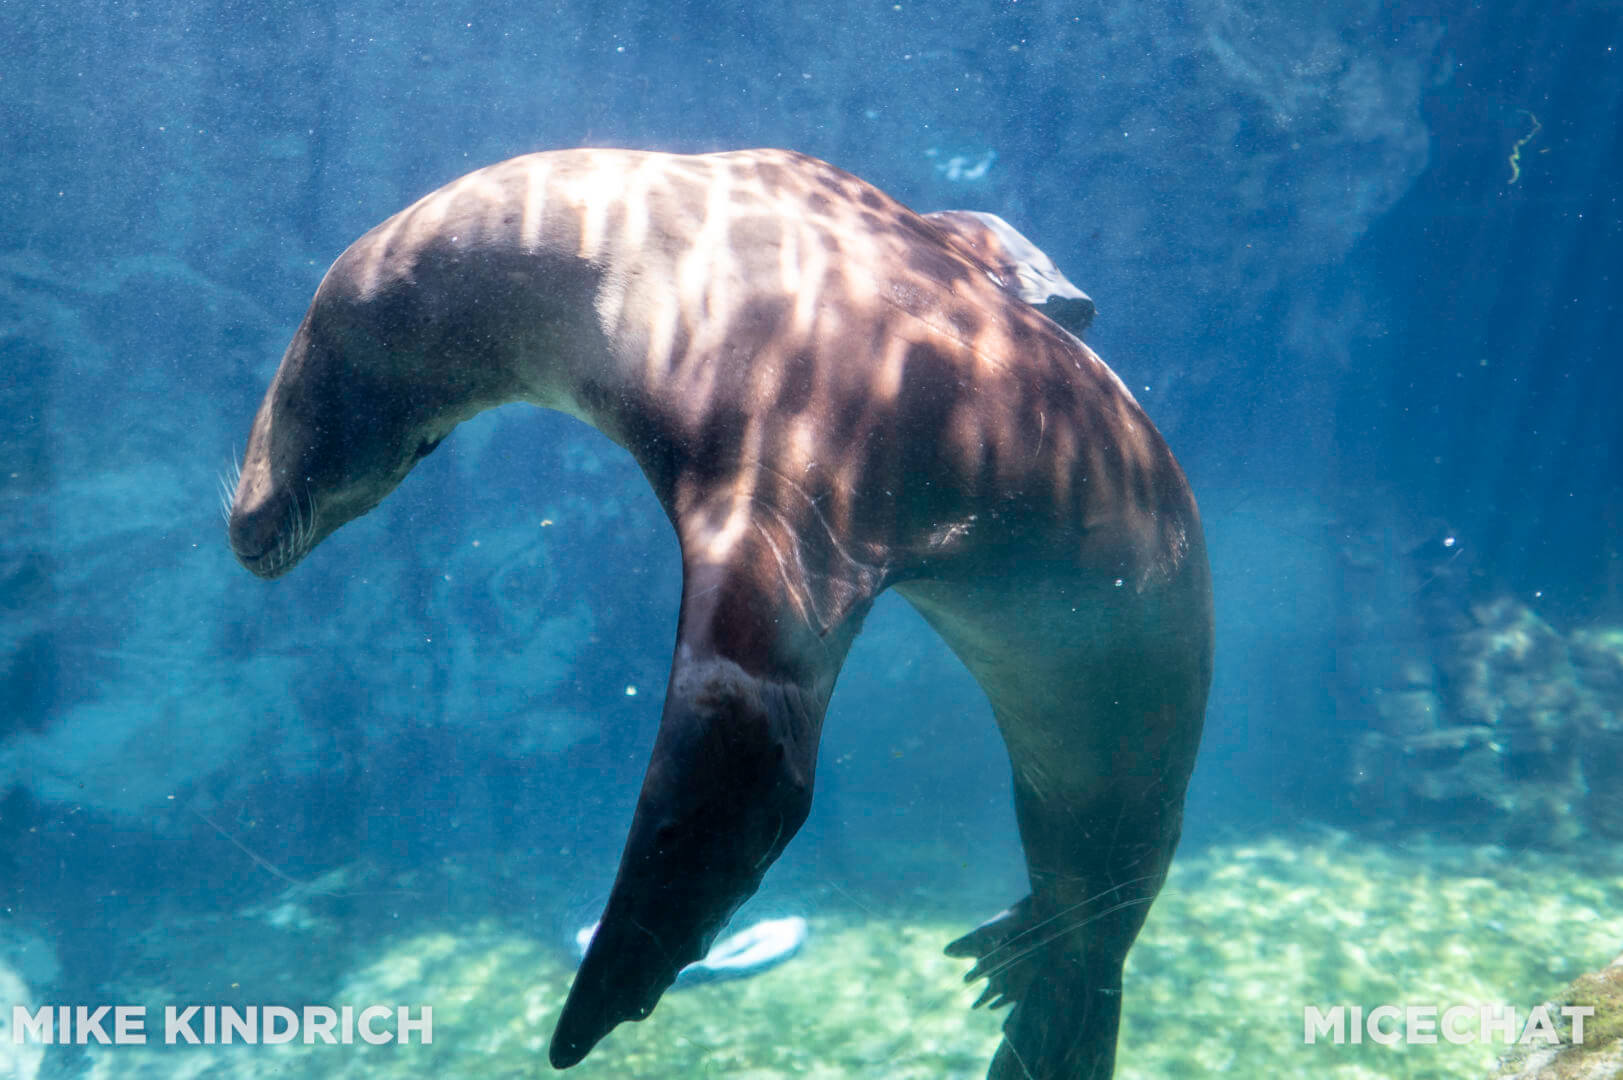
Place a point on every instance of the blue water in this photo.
(1360, 262)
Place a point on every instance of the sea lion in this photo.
(831, 396)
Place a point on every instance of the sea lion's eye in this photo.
(426, 447)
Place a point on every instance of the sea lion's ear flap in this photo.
(1020, 266)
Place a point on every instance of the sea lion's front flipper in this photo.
(728, 784)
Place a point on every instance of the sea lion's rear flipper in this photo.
(1099, 694)
(1063, 977)
(728, 784)
(995, 945)
(1020, 266)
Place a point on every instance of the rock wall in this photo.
(177, 176)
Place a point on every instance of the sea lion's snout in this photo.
(258, 539)
(250, 536)
(269, 529)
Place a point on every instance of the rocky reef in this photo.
(1507, 729)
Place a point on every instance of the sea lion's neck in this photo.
(527, 282)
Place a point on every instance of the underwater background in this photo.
(1362, 263)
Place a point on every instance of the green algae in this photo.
(1598, 1055)
(1603, 992)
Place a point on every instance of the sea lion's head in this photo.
(334, 435)
(382, 368)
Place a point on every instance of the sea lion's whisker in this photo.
(295, 523)
(308, 539)
(226, 486)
